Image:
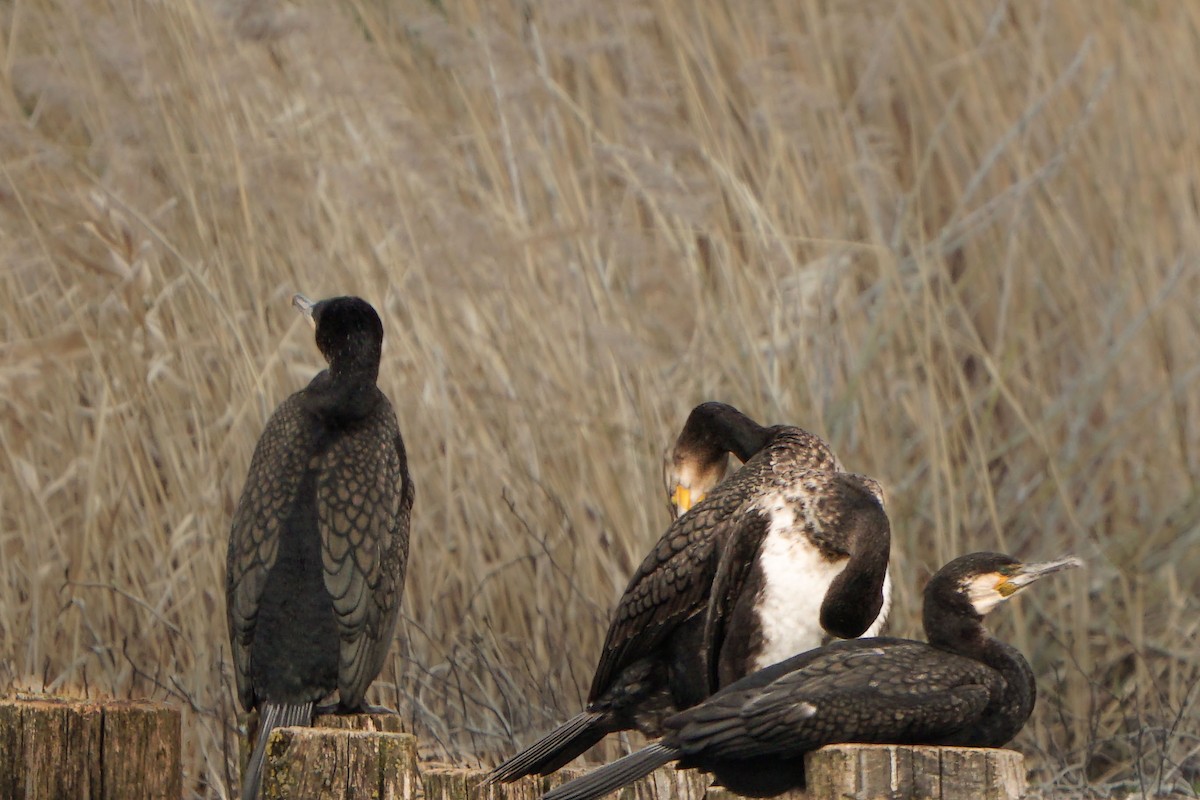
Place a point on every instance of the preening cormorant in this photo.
(964, 688)
(319, 539)
(784, 552)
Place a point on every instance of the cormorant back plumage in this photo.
(964, 688)
(319, 541)
(716, 598)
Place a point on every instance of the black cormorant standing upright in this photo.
(785, 552)
(319, 540)
(964, 688)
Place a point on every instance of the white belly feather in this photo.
(796, 577)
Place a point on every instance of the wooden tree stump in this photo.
(447, 782)
(383, 723)
(900, 772)
(69, 749)
(444, 782)
(333, 763)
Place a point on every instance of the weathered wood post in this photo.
(902, 772)
(448, 782)
(445, 782)
(365, 756)
(352, 756)
(101, 750)
(384, 723)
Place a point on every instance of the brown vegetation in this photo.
(959, 238)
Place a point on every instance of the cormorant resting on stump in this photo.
(319, 540)
(785, 552)
(964, 688)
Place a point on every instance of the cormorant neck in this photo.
(1017, 698)
(957, 630)
(344, 391)
(355, 370)
(953, 624)
(855, 597)
(713, 429)
(1009, 709)
(746, 440)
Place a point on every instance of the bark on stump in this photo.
(901, 772)
(333, 763)
(448, 782)
(444, 782)
(384, 723)
(85, 749)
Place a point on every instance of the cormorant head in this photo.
(348, 329)
(689, 474)
(699, 459)
(984, 580)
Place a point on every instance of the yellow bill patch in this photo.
(682, 497)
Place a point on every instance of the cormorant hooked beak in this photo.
(305, 307)
(688, 479)
(681, 498)
(1025, 574)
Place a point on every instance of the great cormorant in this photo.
(785, 552)
(964, 688)
(319, 540)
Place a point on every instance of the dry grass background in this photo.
(959, 239)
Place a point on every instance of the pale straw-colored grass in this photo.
(960, 239)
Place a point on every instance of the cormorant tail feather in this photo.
(556, 748)
(611, 777)
(271, 716)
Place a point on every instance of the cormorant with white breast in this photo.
(964, 688)
(787, 550)
(319, 540)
